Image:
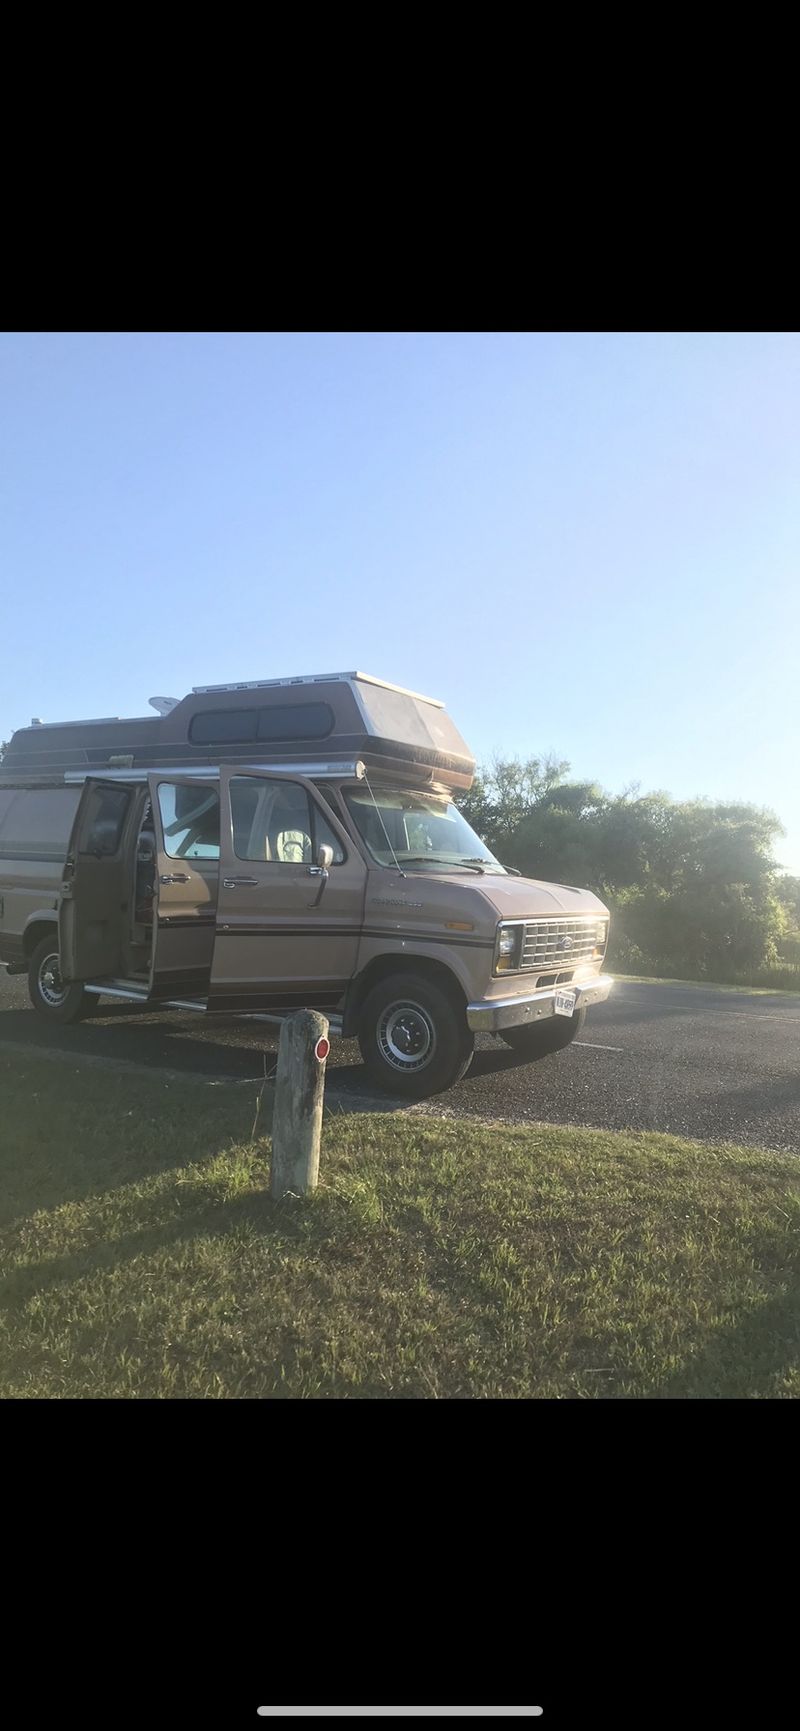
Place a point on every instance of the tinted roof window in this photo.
(224, 727)
(242, 726)
(296, 721)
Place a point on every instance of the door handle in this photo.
(320, 872)
(174, 878)
(239, 883)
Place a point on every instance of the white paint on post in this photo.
(297, 1112)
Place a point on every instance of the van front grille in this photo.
(558, 944)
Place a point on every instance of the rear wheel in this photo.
(414, 1037)
(539, 1039)
(53, 997)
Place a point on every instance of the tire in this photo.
(539, 1039)
(413, 1036)
(54, 1000)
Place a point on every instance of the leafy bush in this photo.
(693, 886)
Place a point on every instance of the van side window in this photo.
(107, 809)
(35, 823)
(189, 820)
(276, 821)
(324, 836)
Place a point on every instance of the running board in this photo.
(140, 995)
(115, 989)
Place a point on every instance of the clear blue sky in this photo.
(584, 543)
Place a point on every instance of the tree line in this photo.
(693, 885)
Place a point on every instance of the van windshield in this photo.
(425, 833)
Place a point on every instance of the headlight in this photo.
(508, 948)
(601, 938)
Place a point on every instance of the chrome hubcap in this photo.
(406, 1037)
(51, 986)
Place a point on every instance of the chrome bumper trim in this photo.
(492, 1014)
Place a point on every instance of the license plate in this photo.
(565, 1003)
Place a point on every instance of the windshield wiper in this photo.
(452, 864)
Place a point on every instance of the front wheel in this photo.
(49, 994)
(539, 1039)
(414, 1037)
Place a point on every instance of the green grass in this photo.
(710, 985)
(142, 1257)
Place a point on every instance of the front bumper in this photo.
(492, 1014)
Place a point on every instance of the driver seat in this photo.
(293, 846)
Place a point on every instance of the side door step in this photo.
(140, 995)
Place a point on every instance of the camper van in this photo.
(280, 844)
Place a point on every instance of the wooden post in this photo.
(297, 1111)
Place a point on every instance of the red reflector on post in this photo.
(322, 1049)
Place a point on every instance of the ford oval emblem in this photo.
(565, 944)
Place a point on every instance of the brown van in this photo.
(279, 844)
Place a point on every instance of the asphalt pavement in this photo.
(694, 1061)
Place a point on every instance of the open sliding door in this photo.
(97, 886)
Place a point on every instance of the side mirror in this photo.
(324, 857)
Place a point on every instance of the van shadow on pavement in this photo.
(221, 1046)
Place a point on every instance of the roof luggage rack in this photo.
(317, 679)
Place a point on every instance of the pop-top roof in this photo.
(306, 718)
